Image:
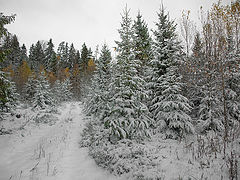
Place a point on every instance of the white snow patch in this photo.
(49, 152)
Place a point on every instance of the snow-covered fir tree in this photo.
(14, 97)
(66, 90)
(98, 98)
(9, 97)
(57, 91)
(36, 56)
(72, 56)
(172, 109)
(169, 107)
(42, 99)
(128, 116)
(210, 108)
(63, 54)
(50, 55)
(24, 56)
(84, 58)
(142, 49)
(142, 43)
(6, 92)
(15, 56)
(29, 89)
(62, 91)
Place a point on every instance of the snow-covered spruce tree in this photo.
(66, 90)
(57, 92)
(50, 55)
(128, 116)
(63, 54)
(14, 97)
(36, 56)
(98, 98)
(9, 97)
(14, 55)
(6, 95)
(142, 44)
(72, 57)
(62, 91)
(169, 107)
(29, 89)
(172, 108)
(210, 111)
(42, 99)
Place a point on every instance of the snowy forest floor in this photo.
(196, 157)
(55, 151)
(43, 151)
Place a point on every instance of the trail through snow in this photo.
(50, 152)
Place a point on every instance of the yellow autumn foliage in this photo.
(24, 71)
(91, 65)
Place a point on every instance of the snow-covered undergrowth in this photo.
(23, 116)
(196, 157)
(28, 150)
(47, 151)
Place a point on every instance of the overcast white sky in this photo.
(90, 21)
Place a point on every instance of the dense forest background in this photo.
(201, 73)
(156, 84)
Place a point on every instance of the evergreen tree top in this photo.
(84, 53)
(166, 45)
(125, 46)
(166, 28)
(142, 39)
(104, 59)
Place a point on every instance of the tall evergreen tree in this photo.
(42, 99)
(29, 89)
(24, 56)
(13, 55)
(66, 90)
(98, 98)
(90, 53)
(60, 49)
(128, 116)
(77, 58)
(65, 55)
(172, 109)
(31, 56)
(5, 47)
(169, 107)
(50, 55)
(142, 42)
(142, 51)
(62, 91)
(84, 58)
(36, 56)
(15, 52)
(6, 94)
(76, 82)
(72, 56)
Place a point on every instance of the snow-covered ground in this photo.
(49, 152)
(52, 152)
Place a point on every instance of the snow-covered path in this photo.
(50, 152)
